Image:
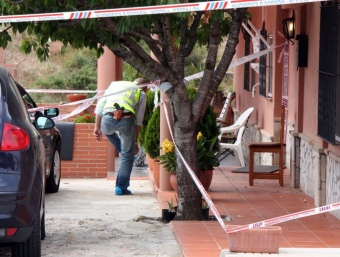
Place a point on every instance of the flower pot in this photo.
(76, 97)
(257, 240)
(206, 178)
(167, 215)
(156, 171)
(149, 161)
(205, 213)
(173, 181)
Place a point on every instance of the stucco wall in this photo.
(333, 182)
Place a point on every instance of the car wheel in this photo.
(32, 246)
(53, 181)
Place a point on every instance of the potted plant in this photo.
(168, 159)
(170, 213)
(152, 135)
(207, 160)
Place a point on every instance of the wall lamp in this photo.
(289, 27)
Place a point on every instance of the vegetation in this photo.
(149, 109)
(177, 35)
(85, 118)
(152, 134)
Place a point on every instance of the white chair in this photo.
(232, 133)
(234, 147)
(240, 122)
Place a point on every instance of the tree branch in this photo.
(167, 42)
(193, 33)
(229, 51)
(205, 94)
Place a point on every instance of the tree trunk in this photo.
(189, 197)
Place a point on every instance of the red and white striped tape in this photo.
(192, 173)
(288, 217)
(147, 10)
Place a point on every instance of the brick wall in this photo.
(89, 156)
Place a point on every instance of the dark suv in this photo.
(22, 172)
(52, 142)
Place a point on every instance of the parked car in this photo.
(52, 142)
(22, 172)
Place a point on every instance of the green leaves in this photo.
(4, 38)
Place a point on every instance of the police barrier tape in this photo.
(147, 10)
(284, 218)
(192, 173)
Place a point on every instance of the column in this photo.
(164, 178)
(110, 68)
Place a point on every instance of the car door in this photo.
(46, 134)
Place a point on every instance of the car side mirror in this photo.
(43, 122)
(52, 112)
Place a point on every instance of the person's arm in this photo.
(97, 130)
(98, 111)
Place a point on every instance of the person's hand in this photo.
(98, 134)
(136, 148)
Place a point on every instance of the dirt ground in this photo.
(86, 219)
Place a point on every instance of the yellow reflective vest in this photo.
(124, 97)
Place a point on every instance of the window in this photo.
(329, 73)
(246, 76)
(263, 62)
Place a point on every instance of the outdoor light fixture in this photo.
(289, 27)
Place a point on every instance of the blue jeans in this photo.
(124, 143)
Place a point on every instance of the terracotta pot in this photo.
(206, 178)
(257, 240)
(76, 97)
(156, 171)
(149, 161)
(173, 181)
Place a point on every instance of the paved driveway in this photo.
(85, 218)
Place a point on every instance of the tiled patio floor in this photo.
(243, 204)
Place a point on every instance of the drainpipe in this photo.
(253, 89)
(270, 67)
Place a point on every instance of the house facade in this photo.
(301, 73)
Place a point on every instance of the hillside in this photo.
(66, 68)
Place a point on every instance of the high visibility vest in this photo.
(127, 99)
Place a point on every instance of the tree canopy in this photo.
(169, 37)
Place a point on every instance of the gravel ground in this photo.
(85, 218)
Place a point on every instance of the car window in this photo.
(16, 104)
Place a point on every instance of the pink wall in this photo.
(264, 113)
(310, 118)
(302, 82)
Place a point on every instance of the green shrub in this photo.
(85, 118)
(150, 96)
(151, 144)
(152, 135)
(208, 125)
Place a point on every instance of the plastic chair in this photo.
(272, 147)
(236, 146)
(232, 130)
(240, 122)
